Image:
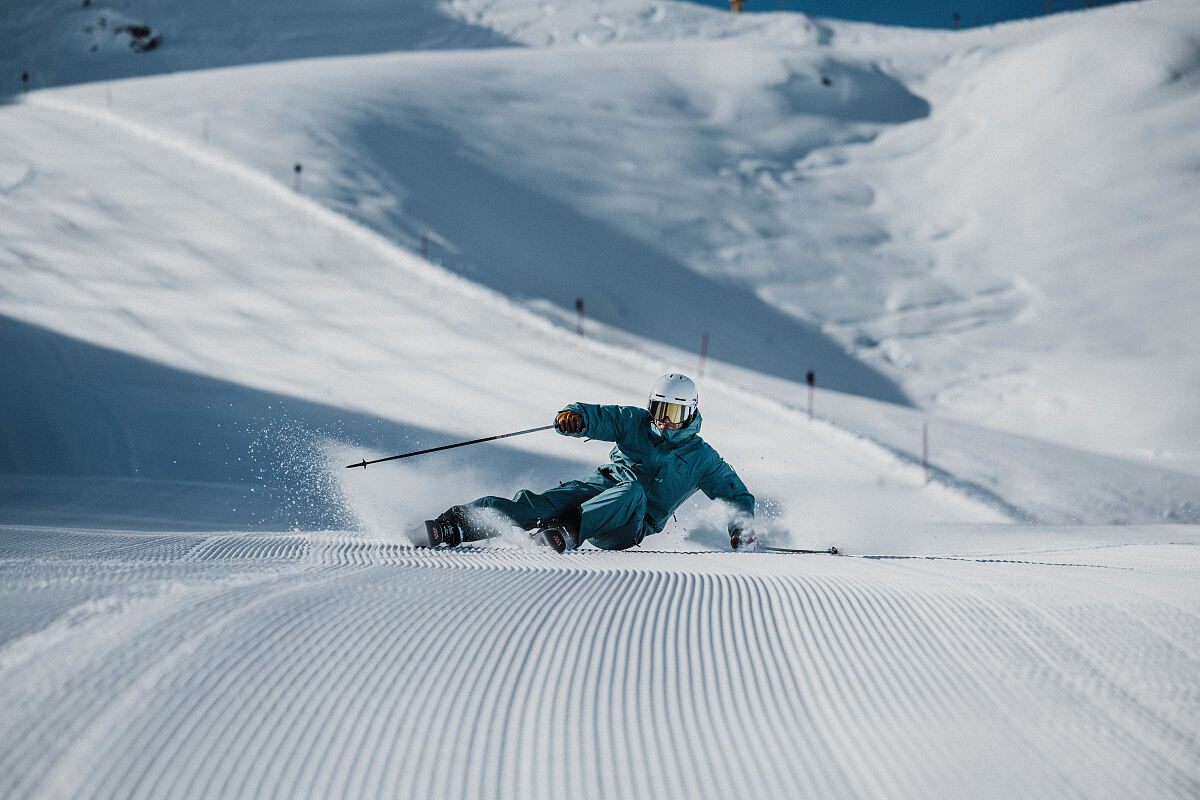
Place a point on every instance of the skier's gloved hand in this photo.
(742, 538)
(569, 422)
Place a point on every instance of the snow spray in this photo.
(294, 467)
(388, 501)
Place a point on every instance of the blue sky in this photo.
(918, 13)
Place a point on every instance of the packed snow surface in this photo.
(213, 297)
(338, 665)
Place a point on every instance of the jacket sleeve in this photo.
(724, 484)
(606, 423)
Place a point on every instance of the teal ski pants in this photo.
(611, 513)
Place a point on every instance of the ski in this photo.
(453, 532)
(437, 537)
(832, 551)
(555, 536)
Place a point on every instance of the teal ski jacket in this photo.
(669, 465)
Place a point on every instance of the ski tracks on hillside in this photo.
(319, 665)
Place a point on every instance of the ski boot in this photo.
(453, 527)
(559, 533)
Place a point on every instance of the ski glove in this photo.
(741, 539)
(569, 422)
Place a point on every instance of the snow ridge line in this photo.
(986, 560)
(287, 547)
(1051, 637)
(329, 549)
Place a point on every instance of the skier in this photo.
(658, 462)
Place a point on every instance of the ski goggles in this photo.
(670, 412)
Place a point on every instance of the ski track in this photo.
(331, 665)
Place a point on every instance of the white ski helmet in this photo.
(674, 399)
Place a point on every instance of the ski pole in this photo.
(364, 462)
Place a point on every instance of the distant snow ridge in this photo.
(327, 665)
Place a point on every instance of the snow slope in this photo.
(199, 599)
(936, 204)
(1015, 253)
(337, 317)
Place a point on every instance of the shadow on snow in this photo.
(95, 437)
(525, 244)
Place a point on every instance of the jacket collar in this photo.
(674, 438)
